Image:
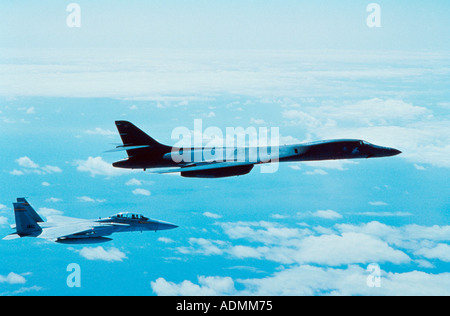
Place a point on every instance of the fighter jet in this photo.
(67, 230)
(145, 152)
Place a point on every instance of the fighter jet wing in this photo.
(53, 233)
(204, 166)
(11, 236)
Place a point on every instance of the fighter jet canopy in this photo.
(127, 215)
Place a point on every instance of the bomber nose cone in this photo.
(395, 152)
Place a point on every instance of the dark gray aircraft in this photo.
(68, 230)
(203, 162)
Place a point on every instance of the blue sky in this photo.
(315, 71)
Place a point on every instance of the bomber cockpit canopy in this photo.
(130, 216)
(363, 142)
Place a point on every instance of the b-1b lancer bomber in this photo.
(203, 162)
(68, 230)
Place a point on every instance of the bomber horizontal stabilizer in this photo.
(123, 148)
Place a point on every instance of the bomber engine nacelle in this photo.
(218, 173)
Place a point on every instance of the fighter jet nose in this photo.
(172, 226)
(165, 226)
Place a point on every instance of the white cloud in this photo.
(27, 162)
(378, 203)
(279, 216)
(317, 171)
(347, 248)
(370, 112)
(134, 181)
(242, 252)
(12, 278)
(16, 172)
(263, 232)
(3, 220)
(99, 253)
(141, 192)
(101, 131)
(203, 246)
(335, 250)
(257, 121)
(85, 199)
(88, 199)
(46, 212)
(410, 237)
(301, 251)
(97, 166)
(22, 290)
(165, 240)
(51, 169)
(327, 214)
(376, 111)
(440, 252)
(212, 215)
(299, 117)
(208, 286)
(312, 280)
(343, 244)
(30, 167)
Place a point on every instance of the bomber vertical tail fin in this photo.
(132, 135)
(137, 143)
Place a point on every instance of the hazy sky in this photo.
(226, 24)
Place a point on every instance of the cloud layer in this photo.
(318, 260)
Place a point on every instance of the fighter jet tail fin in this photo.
(135, 141)
(26, 219)
(30, 210)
